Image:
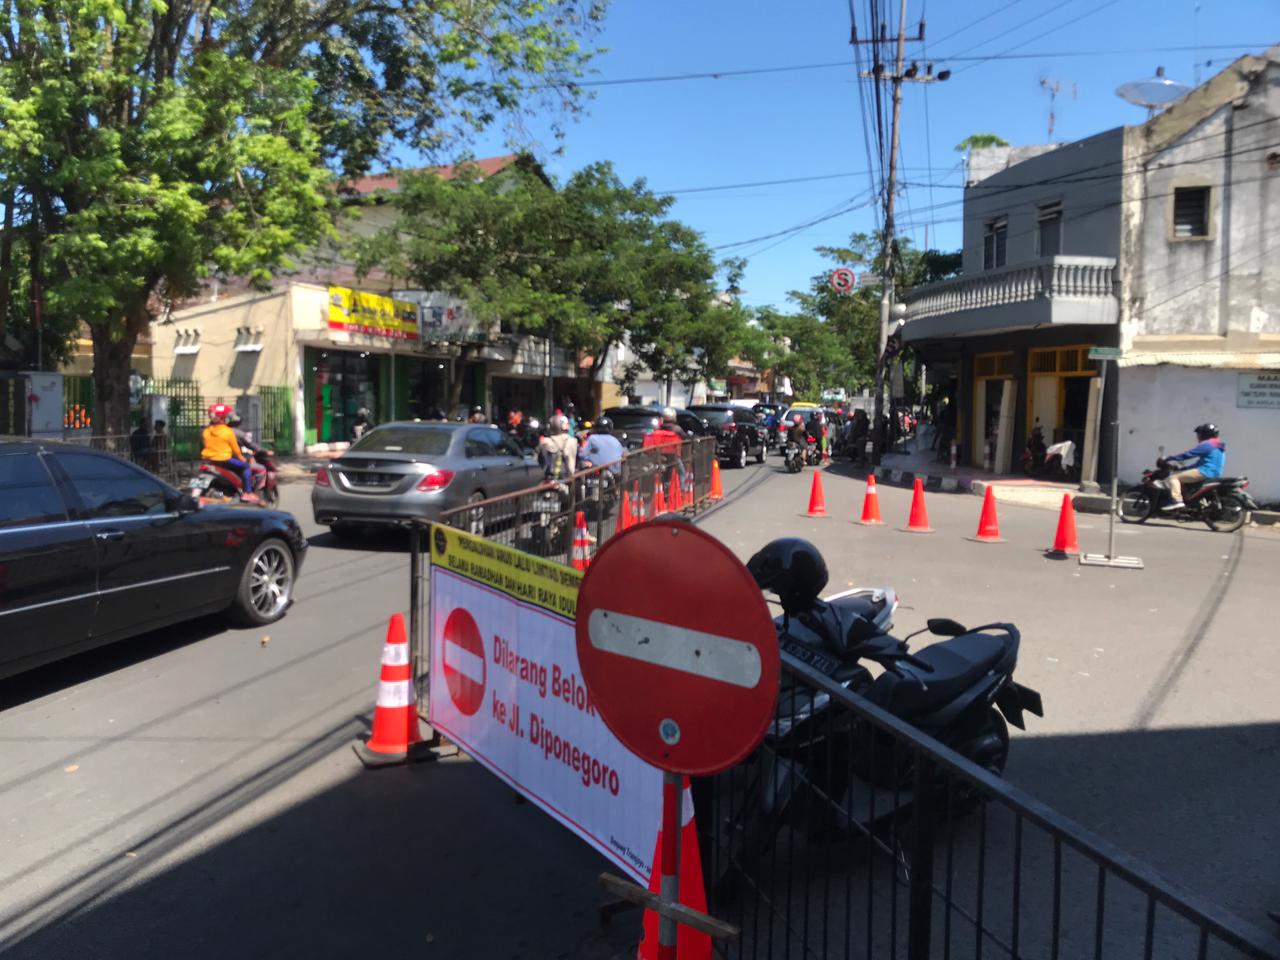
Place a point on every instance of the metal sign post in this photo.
(689, 687)
(1107, 355)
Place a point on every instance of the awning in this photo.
(1220, 359)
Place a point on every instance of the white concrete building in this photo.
(1156, 239)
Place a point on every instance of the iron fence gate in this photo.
(865, 838)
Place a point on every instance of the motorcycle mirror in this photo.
(945, 627)
(1160, 449)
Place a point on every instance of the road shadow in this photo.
(104, 660)
(365, 540)
(432, 860)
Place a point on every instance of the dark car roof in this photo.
(715, 406)
(649, 411)
(10, 444)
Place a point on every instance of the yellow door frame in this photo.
(1081, 365)
(998, 365)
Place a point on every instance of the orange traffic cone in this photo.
(690, 943)
(677, 501)
(919, 520)
(988, 523)
(817, 502)
(871, 503)
(395, 717)
(580, 557)
(717, 492)
(1065, 543)
(659, 499)
(624, 512)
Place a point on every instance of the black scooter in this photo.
(1223, 503)
(960, 691)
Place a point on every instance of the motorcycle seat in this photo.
(957, 664)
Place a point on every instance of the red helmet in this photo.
(220, 411)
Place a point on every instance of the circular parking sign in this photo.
(464, 669)
(843, 280)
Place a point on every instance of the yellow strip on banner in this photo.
(551, 586)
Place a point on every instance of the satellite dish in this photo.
(1154, 94)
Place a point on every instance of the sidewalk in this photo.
(294, 469)
(918, 461)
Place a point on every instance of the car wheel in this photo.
(740, 457)
(266, 584)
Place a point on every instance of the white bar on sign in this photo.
(689, 651)
(464, 662)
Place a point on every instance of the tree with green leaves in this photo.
(145, 144)
(980, 141)
(589, 266)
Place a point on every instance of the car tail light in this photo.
(322, 477)
(1244, 483)
(435, 480)
(729, 427)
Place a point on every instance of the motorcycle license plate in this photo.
(813, 658)
(201, 483)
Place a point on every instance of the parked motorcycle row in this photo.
(819, 767)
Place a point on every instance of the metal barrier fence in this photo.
(541, 520)
(849, 833)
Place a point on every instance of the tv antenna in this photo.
(1155, 93)
(1054, 87)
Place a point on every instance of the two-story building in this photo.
(1153, 239)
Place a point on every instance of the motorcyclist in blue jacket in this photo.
(1201, 462)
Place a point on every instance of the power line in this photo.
(770, 183)
(853, 205)
(836, 64)
(1038, 36)
(1008, 30)
(973, 23)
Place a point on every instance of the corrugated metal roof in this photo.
(1222, 359)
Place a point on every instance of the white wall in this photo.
(1162, 405)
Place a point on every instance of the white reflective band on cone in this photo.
(465, 662)
(395, 654)
(689, 651)
(395, 693)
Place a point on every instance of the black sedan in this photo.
(94, 549)
(739, 432)
(630, 424)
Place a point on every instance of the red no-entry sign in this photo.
(464, 663)
(677, 648)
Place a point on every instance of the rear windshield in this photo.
(713, 417)
(806, 412)
(632, 420)
(427, 441)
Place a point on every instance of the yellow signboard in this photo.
(521, 576)
(358, 312)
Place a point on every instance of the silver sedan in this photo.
(401, 471)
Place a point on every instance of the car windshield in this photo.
(712, 416)
(426, 441)
(633, 419)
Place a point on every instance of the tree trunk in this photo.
(459, 371)
(6, 260)
(112, 364)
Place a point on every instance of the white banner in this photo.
(505, 686)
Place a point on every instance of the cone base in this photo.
(817, 516)
(916, 529)
(981, 539)
(372, 759)
(1051, 552)
(871, 523)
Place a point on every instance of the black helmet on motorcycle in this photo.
(793, 569)
(603, 425)
(1206, 430)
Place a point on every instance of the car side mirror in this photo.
(944, 627)
(186, 504)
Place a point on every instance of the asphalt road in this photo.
(192, 792)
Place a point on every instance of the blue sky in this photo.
(696, 133)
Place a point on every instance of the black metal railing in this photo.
(849, 833)
(542, 520)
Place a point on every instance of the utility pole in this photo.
(897, 77)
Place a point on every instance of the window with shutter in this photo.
(1190, 212)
